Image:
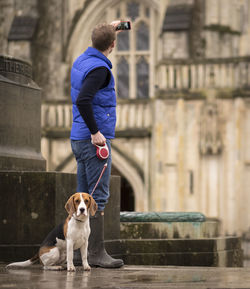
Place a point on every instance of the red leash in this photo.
(102, 172)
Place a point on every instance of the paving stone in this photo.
(127, 277)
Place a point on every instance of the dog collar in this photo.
(78, 220)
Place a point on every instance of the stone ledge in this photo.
(162, 217)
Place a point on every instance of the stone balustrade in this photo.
(57, 115)
(131, 114)
(224, 73)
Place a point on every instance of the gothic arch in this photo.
(133, 177)
(93, 14)
(126, 169)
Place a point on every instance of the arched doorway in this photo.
(127, 193)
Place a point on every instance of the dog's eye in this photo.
(86, 201)
(77, 201)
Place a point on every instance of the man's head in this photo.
(103, 37)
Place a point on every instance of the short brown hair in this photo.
(103, 36)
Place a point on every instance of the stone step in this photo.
(14, 252)
(228, 258)
(223, 252)
(179, 252)
(169, 230)
(178, 245)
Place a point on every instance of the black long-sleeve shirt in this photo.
(94, 81)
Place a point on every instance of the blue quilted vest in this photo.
(104, 101)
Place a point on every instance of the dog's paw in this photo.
(71, 268)
(86, 267)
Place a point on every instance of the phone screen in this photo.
(124, 25)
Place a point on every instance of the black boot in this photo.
(97, 255)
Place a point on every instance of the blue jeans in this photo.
(89, 168)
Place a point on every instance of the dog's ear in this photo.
(70, 206)
(93, 206)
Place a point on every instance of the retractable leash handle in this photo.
(102, 172)
(102, 152)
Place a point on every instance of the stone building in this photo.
(182, 78)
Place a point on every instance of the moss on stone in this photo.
(221, 29)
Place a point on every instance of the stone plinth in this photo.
(20, 117)
(212, 252)
(32, 203)
(167, 225)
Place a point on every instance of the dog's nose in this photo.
(82, 210)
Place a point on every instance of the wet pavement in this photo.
(127, 277)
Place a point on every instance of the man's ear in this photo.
(93, 206)
(70, 206)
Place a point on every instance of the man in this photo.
(94, 118)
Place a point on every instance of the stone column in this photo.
(20, 117)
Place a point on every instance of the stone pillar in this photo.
(20, 117)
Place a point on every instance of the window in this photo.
(132, 10)
(122, 74)
(133, 50)
(142, 77)
(142, 37)
(123, 41)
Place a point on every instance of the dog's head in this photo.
(80, 205)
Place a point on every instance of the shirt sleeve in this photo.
(94, 81)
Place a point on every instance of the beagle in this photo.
(58, 246)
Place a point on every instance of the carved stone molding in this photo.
(15, 69)
(210, 133)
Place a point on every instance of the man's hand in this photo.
(98, 139)
(115, 24)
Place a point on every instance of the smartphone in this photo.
(123, 25)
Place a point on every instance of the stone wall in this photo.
(200, 159)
